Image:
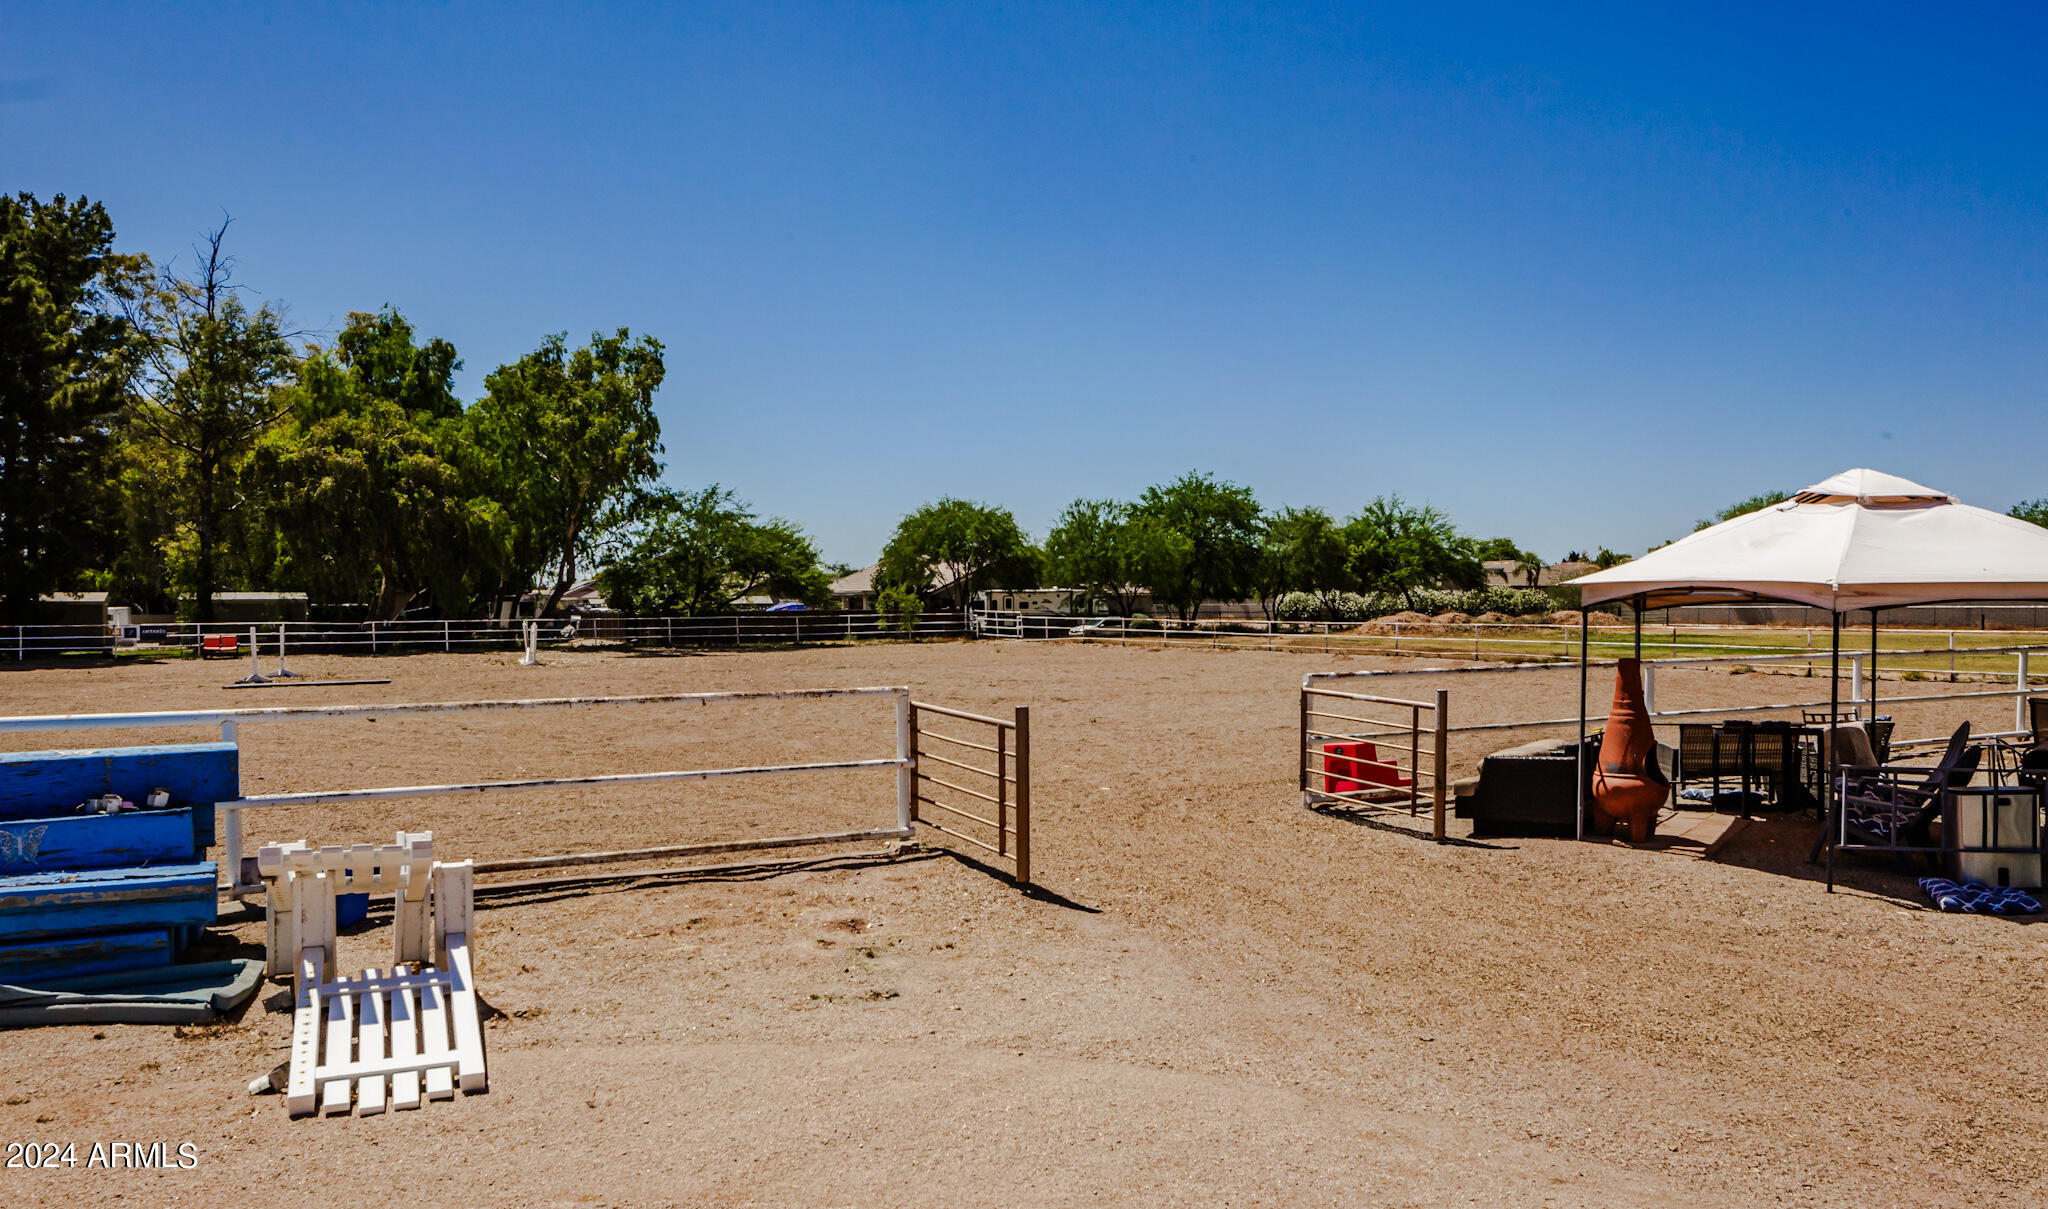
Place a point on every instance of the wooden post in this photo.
(1023, 795)
(1443, 748)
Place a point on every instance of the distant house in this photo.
(75, 608)
(1557, 573)
(1511, 573)
(856, 593)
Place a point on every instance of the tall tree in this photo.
(2035, 511)
(568, 434)
(1397, 547)
(701, 552)
(372, 499)
(1218, 523)
(1310, 553)
(210, 382)
(60, 389)
(961, 547)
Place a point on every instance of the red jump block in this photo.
(1350, 765)
(219, 644)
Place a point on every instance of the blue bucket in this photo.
(350, 909)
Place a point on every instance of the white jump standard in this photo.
(418, 1018)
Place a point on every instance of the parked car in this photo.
(1099, 625)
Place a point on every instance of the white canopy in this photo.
(1860, 540)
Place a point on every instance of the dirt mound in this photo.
(1565, 617)
(1493, 618)
(1453, 618)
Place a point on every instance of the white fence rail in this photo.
(463, 634)
(231, 720)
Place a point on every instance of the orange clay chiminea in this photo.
(1627, 784)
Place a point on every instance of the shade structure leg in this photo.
(1828, 802)
(1579, 788)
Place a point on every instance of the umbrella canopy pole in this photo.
(1580, 780)
(1638, 611)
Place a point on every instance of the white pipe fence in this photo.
(466, 634)
(231, 720)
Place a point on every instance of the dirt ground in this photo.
(1225, 999)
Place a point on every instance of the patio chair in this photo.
(1880, 807)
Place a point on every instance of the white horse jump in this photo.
(417, 1018)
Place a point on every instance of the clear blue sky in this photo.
(1578, 277)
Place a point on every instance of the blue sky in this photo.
(1577, 276)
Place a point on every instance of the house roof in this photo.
(862, 582)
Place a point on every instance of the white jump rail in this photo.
(231, 720)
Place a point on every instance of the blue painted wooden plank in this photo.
(34, 961)
(96, 841)
(97, 900)
(38, 784)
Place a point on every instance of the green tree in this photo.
(61, 391)
(365, 479)
(700, 552)
(1218, 524)
(210, 381)
(961, 547)
(1312, 554)
(568, 434)
(900, 608)
(2032, 510)
(1755, 503)
(1398, 548)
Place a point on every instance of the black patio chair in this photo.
(1882, 807)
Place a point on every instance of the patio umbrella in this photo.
(1859, 540)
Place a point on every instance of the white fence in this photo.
(231, 720)
(464, 634)
(1935, 650)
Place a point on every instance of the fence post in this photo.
(373, 638)
(446, 640)
(20, 643)
(1650, 688)
(1443, 749)
(1301, 748)
(1951, 656)
(1023, 795)
(735, 631)
(906, 772)
(1856, 685)
(2020, 721)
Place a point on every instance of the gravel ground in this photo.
(1224, 999)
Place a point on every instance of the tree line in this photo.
(164, 438)
(1183, 543)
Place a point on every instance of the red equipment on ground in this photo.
(1350, 765)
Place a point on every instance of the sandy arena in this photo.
(1225, 1000)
